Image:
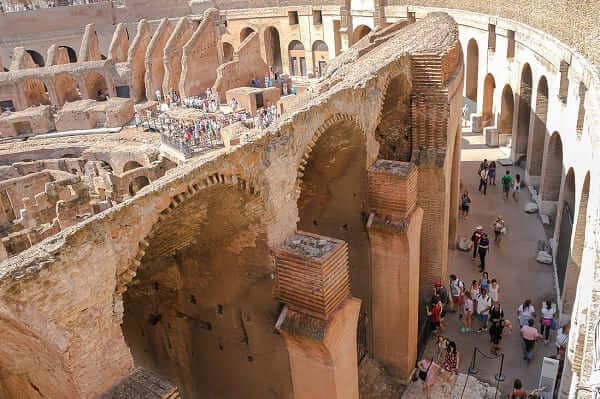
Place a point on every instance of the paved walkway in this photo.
(512, 264)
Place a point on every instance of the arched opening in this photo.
(72, 53)
(553, 164)
(333, 200)
(102, 57)
(273, 48)
(536, 153)
(201, 310)
(137, 184)
(96, 86)
(31, 366)
(567, 208)
(36, 57)
(574, 265)
(227, 52)
(130, 165)
(35, 92)
(320, 53)
(106, 167)
(489, 85)
(66, 89)
(359, 32)
(507, 111)
(524, 112)
(297, 58)
(393, 132)
(472, 78)
(247, 31)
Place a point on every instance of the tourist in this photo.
(484, 303)
(484, 282)
(525, 312)
(451, 361)
(517, 392)
(494, 291)
(467, 313)
(234, 104)
(499, 229)
(441, 291)
(475, 290)
(465, 204)
(427, 371)
(285, 89)
(492, 173)
(465, 115)
(506, 183)
(548, 312)
(496, 326)
(442, 345)
(435, 315)
(484, 246)
(475, 238)
(562, 341)
(158, 94)
(483, 180)
(484, 164)
(516, 187)
(529, 334)
(457, 291)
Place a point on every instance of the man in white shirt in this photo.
(484, 303)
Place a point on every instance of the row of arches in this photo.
(39, 60)
(542, 155)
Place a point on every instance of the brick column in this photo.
(395, 235)
(320, 320)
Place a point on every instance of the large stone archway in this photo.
(522, 132)
(201, 309)
(36, 92)
(472, 75)
(394, 130)
(552, 169)
(272, 43)
(505, 122)
(535, 150)
(564, 228)
(489, 85)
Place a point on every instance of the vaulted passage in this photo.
(553, 165)
(201, 309)
(535, 158)
(507, 111)
(524, 112)
(489, 86)
(334, 198)
(472, 74)
(273, 48)
(563, 252)
(393, 132)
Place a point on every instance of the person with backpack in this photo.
(548, 312)
(475, 237)
(484, 246)
(427, 372)
(483, 180)
(457, 291)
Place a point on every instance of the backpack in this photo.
(455, 287)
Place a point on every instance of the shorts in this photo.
(482, 317)
(458, 300)
(465, 208)
(506, 188)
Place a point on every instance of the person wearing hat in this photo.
(475, 237)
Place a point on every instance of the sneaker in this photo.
(463, 330)
(480, 330)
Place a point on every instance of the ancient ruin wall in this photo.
(153, 61)
(90, 46)
(119, 45)
(247, 65)
(574, 22)
(173, 53)
(137, 59)
(201, 56)
(57, 56)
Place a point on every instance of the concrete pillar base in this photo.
(322, 353)
(476, 126)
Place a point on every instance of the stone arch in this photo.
(505, 123)
(553, 169)
(320, 54)
(522, 138)
(31, 366)
(96, 85)
(228, 51)
(489, 85)
(272, 41)
(332, 195)
(36, 57)
(36, 92)
(359, 32)
(245, 32)
(564, 228)
(393, 132)
(201, 309)
(130, 165)
(66, 89)
(71, 53)
(536, 148)
(297, 58)
(137, 184)
(472, 77)
(577, 246)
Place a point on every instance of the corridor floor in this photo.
(512, 263)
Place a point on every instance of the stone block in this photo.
(531, 207)
(544, 257)
(464, 244)
(476, 123)
(392, 188)
(491, 136)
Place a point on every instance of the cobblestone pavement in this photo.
(512, 264)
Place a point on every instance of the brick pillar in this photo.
(346, 28)
(320, 320)
(395, 235)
